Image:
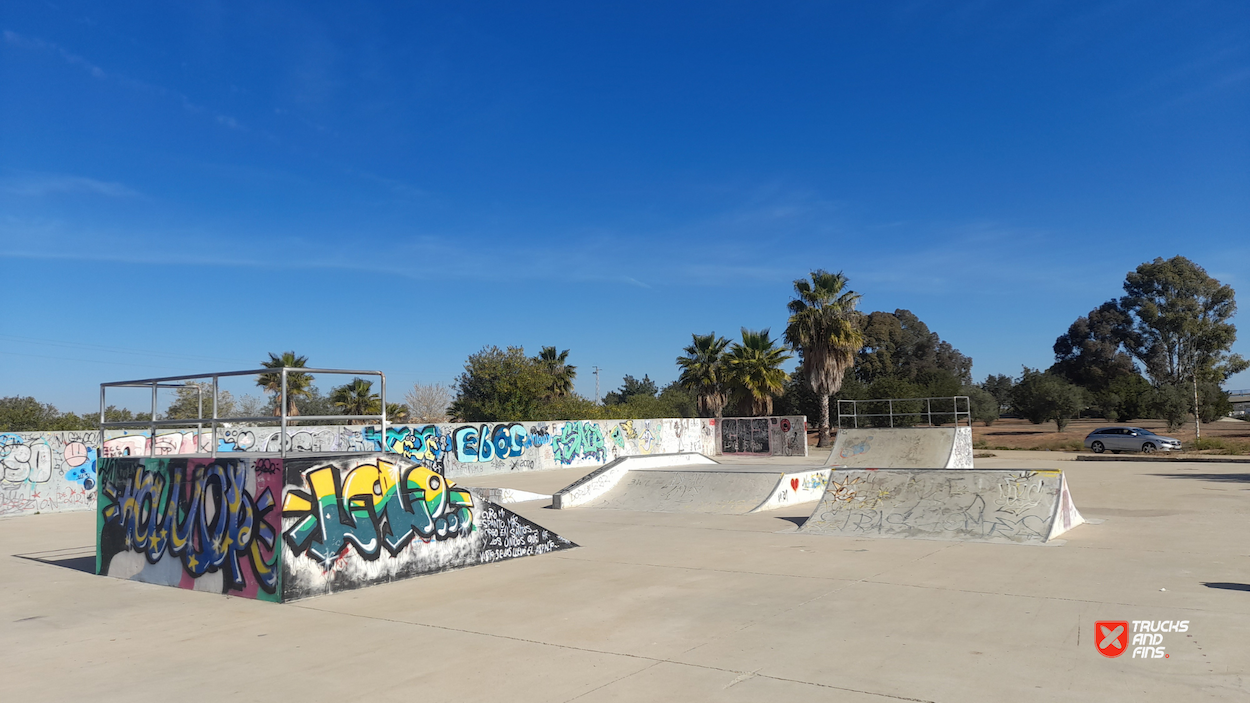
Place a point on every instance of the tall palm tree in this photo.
(298, 385)
(562, 373)
(755, 372)
(825, 329)
(356, 398)
(703, 372)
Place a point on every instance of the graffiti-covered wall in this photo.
(350, 522)
(47, 472)
(280, 530)
(51, 472)
(762, 436)
(202, 524)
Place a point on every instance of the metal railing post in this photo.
(891, 411)
(213, 439)
(152, 419)
(928, 404)
(282, 405)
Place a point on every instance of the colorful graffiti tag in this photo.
(350, 522)
(578, 440)
(47, 472)
(374, 506)
(56, 471)
(199, 512)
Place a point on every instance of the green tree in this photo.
(631, 388)
(1171, 402)
(895, 403)
(824, 328)
(25, 414)
(186, 404)
(561, 372)
(1000, 386)
(983, 405)
(356, 398)
(1091, 353)
(397, 412)
(703, 372)
(899, 345)
(500, 384)
(297, 384)
(678, 401)
(755, 373)
(1183, 329)
(1042, 397)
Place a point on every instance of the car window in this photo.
(1145, 432)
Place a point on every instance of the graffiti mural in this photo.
(42, 472)
(578, 441)
(55, 471)
(765, 436)
(200, 524)
(350, 522)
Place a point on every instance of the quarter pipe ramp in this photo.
(988, 506)
(903, 448)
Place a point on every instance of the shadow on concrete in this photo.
(795, 519)
(76, 558)
(1228, 586)
(1223, 478)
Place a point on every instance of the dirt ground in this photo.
(1225, 437)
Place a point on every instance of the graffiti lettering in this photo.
(475, 444)
(373, 506)
(578, 439)
(209, 521)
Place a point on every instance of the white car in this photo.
(1129, 439)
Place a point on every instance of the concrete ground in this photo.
(657, 606)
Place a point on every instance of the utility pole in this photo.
(596, 368)
(1197, 425)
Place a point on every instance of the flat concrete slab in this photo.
(673, 606)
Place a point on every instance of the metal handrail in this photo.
(283, 417)
(854, 415)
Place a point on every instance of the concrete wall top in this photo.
(56, 471)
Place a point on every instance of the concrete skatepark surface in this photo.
(673, 606)
(692, 483)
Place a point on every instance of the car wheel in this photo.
(1148, 448)
(1097, 447)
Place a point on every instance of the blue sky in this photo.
(187, 186)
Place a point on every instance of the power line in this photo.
(123, 350)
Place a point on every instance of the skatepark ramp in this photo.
(983, 506)
(903, 448)
(690, 484)
(282, 528)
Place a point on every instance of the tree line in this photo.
(1162, 350)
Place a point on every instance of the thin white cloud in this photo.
(50, 184)
(35, 44)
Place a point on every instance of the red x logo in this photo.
(1111, 637)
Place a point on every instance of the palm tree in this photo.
(703, 372)
(562, 373)
(356, 398)
(397, 412)
(298, 385)
(755, 370)
(824, 328)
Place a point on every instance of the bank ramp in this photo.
(966, 505)
(691, 484)
(903, 448)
